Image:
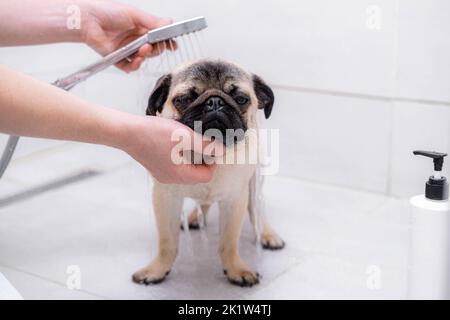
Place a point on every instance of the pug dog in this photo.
(222, 96)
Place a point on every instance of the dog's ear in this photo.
(159, 95)
(264, 94)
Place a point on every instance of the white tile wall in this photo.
(320, 44)
(118, 90)
(360, 142)
(338, 140)
(45, 59)
(424, 49)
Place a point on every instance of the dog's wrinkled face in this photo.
(219, 94)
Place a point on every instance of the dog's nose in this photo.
(214, 104)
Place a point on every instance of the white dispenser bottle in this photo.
(429, 251)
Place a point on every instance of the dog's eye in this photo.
(183, 100)
(241, 100)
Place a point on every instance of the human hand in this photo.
(38, 109)
(110, 25)
(149, 140)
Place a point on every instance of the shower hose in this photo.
(8, 153)
(160, 34)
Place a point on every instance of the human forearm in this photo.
(29, 107)
(103, 25)
(28, 22)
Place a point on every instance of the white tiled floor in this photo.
(105, 226)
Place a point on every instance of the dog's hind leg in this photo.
(194, 217)
(167, 209)
(268, 238)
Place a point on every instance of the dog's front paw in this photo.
(152, 274)
(242, 276)
(272, 241)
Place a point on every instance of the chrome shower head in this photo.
(154, 36)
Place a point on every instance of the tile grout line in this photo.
(392, 109)
(355, 95)
(64, 146)
(49, 186)
(293, 178)
(260, 288)
(390, 151)
(49, 280)
(348, 94)
(336, 186)
(377, 206)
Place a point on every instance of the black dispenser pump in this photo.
(436, 187)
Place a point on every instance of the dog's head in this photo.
(216, 94)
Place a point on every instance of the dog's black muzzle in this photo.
(216, 117)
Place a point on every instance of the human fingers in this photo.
(148, 21)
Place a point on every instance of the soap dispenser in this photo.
(429, 245)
